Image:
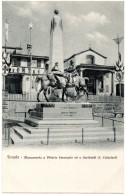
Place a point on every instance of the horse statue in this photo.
(75, 85)
(63, 82)
(45, 81)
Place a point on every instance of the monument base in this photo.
(62, 111)
(61, 114)
(59, 122)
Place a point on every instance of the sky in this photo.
(85, 24)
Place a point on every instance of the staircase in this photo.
(25, 134)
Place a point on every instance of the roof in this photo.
(10, 47)
(95, 67)
(84, 52)
(33, 56)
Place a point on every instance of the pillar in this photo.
(104, 84)
(96, 86)
(112, 84)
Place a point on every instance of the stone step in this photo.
(24, 135)
(79, 140)
(61, 131)
(37, 128)
(63, 135)
(79, 135)
(68, 130)
(33, 130)
(16, 140)
(71, 122)
(29, 139)
(62, 127)
(86, 130)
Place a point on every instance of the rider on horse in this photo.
(72, 72)
(55, 74)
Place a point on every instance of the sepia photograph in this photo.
(68, 61)
(63, 91)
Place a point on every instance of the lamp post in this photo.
(29, 47)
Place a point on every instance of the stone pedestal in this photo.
(61, 111)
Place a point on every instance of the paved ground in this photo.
(89, 145)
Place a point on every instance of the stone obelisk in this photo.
(56, 42)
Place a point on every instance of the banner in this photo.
(6, 32)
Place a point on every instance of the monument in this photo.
(71, 113)
(56, 42)
(54, 115)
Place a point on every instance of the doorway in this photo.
(91, 86)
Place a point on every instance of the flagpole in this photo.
(118, 50)
(118, 41)
(118, 60)
(30, 52)
(31, 68)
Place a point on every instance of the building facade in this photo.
(23, 69)
(92, 64)
(88, 63)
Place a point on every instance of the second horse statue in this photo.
(78, 84)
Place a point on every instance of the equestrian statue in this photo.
(68, 81)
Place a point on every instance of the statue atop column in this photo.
(60, 84)
(56, 43)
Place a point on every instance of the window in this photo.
(17, 62)
(90, 59)
(34, 63)
(33, 71)
(38, 71)
(23, 70)
(107, 88)
(28, 62)
(29, 70)
(107, 75)
(39, 63)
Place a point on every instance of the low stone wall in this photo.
(17, 109)
(110, 107)
(12, 109)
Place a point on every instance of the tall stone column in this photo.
(56, 42)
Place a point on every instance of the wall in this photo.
(81, 58)
(14, 107)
